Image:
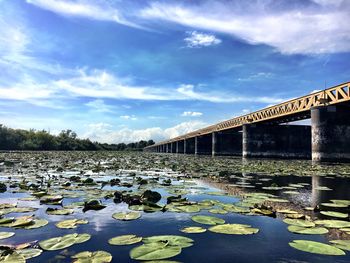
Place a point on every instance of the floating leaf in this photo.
(334, 214)
(29, 252)
(218, 211)
(12, 257)
(154, 251)
(207, 220)
(333, 223)
(316, 247)
(71, 223)
(124, 240)
(234, 229)
(126, 216)
(308, 231)
(93, 257)
(299, 222)
(57, 243)
(172, 240)
(335, 205)
(4, 235)
(36, 224)
(55, 211)
(342, 244)
(193, 230)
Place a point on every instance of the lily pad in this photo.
(57, 243)
(93, 257)
(126, 216)
(342, 244)
(193, 230)
(234, 229)
(172, 240)
(55, 211)
(333, 223)
(12, 257)
(4, 235)
(37, 223)
(207, 220)
(154, 251)
(299, 222)
(71, 223)
(124, 240)
(308, 230)
(316, 247)
(334, 214)
(28, 253)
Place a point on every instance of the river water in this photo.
(293, 185)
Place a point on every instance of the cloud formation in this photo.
(197, 40)
(313, 29)
(103, 132)
(191, 114)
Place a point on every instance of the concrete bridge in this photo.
(266, 133)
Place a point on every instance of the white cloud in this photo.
(99, 84)
(191, 114)
(128, 117)
(196, 39)
(257, 76)
(103, 132)
(99, 105)
(292, 31)
(88, 9)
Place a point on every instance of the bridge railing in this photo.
(333, 95)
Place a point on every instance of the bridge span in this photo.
(266, 132)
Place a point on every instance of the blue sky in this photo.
(121, 71)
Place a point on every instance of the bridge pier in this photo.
(227, 143)
(277, 141)
(173, 147)
(180, 146)
(331, 133)
(189, 146)
(203, 144)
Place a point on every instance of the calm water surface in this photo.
(269, 245)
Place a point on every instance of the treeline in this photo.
(67, 140)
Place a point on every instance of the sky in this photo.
(121, 71)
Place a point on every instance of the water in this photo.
(200, 176)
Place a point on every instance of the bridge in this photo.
(267, 132)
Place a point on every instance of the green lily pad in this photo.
(193, 230)
(218, 211)
(307, 230)
(92, 257)
(334, 214)
(299, 222)
(126, 216)
(333, 223)
(4, 235)
(57, 243)
(234, 229)
(28, 253)
(37, 223)
(54, 211)
(316, 247)
(171, 240)
(342, 244)
(154, 251)
(207, 220)
(12, 257)
(189, 208)
(334, 205)
(124, 240)
(71, 223)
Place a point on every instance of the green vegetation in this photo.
(67, 140)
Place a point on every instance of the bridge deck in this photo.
(291, 110)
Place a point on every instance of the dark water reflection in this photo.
(269, 245)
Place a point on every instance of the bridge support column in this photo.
(189, 146)
(227, 143)
(180, 146)
(203, 145)
(277, 141)
(331, 133)
(173, 147)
